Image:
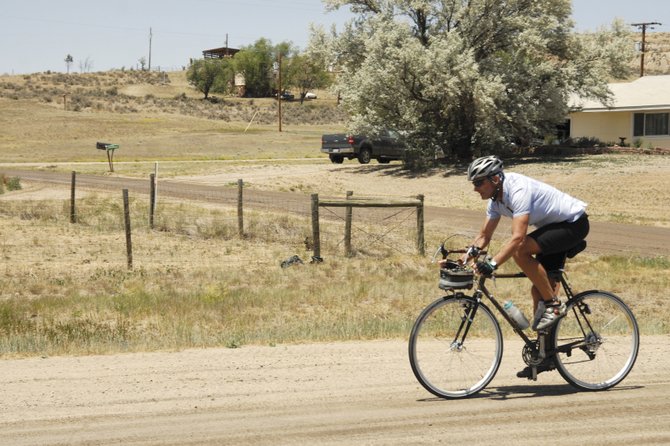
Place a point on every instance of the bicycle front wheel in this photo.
(597, 341)
(455, 347)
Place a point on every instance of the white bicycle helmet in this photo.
(484, 167)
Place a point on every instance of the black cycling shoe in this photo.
(545, 366)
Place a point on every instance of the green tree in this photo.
(210, 75)
(306, 74)
(255, 63)
(69, 60)
(258, 62)
(469, 77)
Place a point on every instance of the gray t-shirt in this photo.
(544, 204)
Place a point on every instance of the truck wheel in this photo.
(365, 155)
(336, 159)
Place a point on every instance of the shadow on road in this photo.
(528, 391)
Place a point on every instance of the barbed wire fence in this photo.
(398, 213)
(85, 227)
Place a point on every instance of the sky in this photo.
(37, 35)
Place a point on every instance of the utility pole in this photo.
(150, 36)
(644, 26)
(279, 93)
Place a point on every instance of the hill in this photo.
(121, 91)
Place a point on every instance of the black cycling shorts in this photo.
(557, 238)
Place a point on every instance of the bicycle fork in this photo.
(469, 311)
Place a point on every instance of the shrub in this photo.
(14, 183)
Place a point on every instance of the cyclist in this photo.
(560, 223)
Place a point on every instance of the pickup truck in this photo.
(385, 147)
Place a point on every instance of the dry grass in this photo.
(150, 119)
(65, 288)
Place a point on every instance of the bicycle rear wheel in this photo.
(597, 341)
(455, 347)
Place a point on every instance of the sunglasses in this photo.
(479, 182)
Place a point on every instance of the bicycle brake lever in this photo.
(440, 250)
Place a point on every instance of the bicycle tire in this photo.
(445, 367)
(597, 342)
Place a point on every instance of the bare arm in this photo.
(484, 237)
(486, 233)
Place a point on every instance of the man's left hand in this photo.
(486, 267)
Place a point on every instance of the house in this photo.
(638, 115)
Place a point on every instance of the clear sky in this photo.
(37, 35)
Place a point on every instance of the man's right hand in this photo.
(473, 251)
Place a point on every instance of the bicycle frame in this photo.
(558, 276)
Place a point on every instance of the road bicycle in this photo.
(456, 343)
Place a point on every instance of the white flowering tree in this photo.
(468, 76)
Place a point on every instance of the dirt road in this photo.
(317, 394)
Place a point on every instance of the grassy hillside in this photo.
(151, 116)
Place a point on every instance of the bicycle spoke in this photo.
(455, 351)
(597, 343)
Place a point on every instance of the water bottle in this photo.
(516, 315)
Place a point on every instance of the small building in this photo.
(638, 115)
(219, 53)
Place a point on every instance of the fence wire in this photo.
(199, 227)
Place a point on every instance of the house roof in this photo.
(219, 53)
(645, 93)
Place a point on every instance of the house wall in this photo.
(608, 127)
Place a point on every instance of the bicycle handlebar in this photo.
(445, 252)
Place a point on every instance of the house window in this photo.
(651, 124)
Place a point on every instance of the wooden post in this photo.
(126, 215)
(110, 159)
(420, 241)
(347, 226)
(240, 208)
(73, 214)
(315, 226)
(152, 199)
(155, 185)
(279, 93)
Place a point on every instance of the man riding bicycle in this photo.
(561, 224)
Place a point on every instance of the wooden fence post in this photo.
(73, 213)
(347, 226)
(155, 182)
(240, 208)
(420, 240)
(126, 215)
(315, 226)
(152, 199)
